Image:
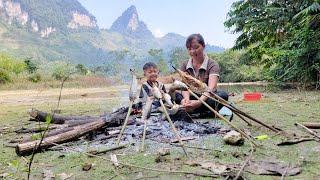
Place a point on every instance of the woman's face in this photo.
(196, 49)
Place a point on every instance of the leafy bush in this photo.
(11, 64)
(62, 70)
(4, 76)
(36, 77)
(234, 68)
(30, 65)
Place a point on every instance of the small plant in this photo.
(35, 78)
(4, 76)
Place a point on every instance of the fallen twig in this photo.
(183, 139)
(245, 162)
(95, 152)
(284, 173)
(187, 146)
(308, 130)
(294, 141)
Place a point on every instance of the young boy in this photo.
(150, 71)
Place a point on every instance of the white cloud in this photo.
(158, 33)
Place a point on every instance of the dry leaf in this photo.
(214, 167)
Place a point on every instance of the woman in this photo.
(203, 68)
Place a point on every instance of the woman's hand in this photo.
(185, 101)
(192, 105)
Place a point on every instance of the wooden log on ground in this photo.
(113, 119)
(37, 115)
(311, 125)
(78, 131)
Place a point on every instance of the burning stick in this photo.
(132, 98)
(221, 117)
(158, 95)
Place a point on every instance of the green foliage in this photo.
(157, 56)
(30, 65)
(36, 77)
(282, 36)
(177, 56)
(11, 64)
(48, 119)
(35, 137)
(81, 69)
(4, 76)
(163, 66)
(234, 69)
(62, 70)
(53, 13)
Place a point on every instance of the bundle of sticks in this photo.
(195, 86)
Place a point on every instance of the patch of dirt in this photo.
(69, 95)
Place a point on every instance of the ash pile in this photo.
(158, 129)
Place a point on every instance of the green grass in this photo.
(282, 109)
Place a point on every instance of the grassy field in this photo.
(282, 108)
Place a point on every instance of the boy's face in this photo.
(151, 74)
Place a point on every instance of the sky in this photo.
(184, 17)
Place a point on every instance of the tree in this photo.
(280, 35)
(30, 65)
(157, 56)
(178, 55)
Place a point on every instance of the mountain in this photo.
(48, 30)
(129, 24)
(46, 17)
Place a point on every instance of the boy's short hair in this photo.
(149, 65)
(197, 37)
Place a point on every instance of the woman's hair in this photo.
(197, 37)
(149, 65)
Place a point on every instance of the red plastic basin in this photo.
(256, 96)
